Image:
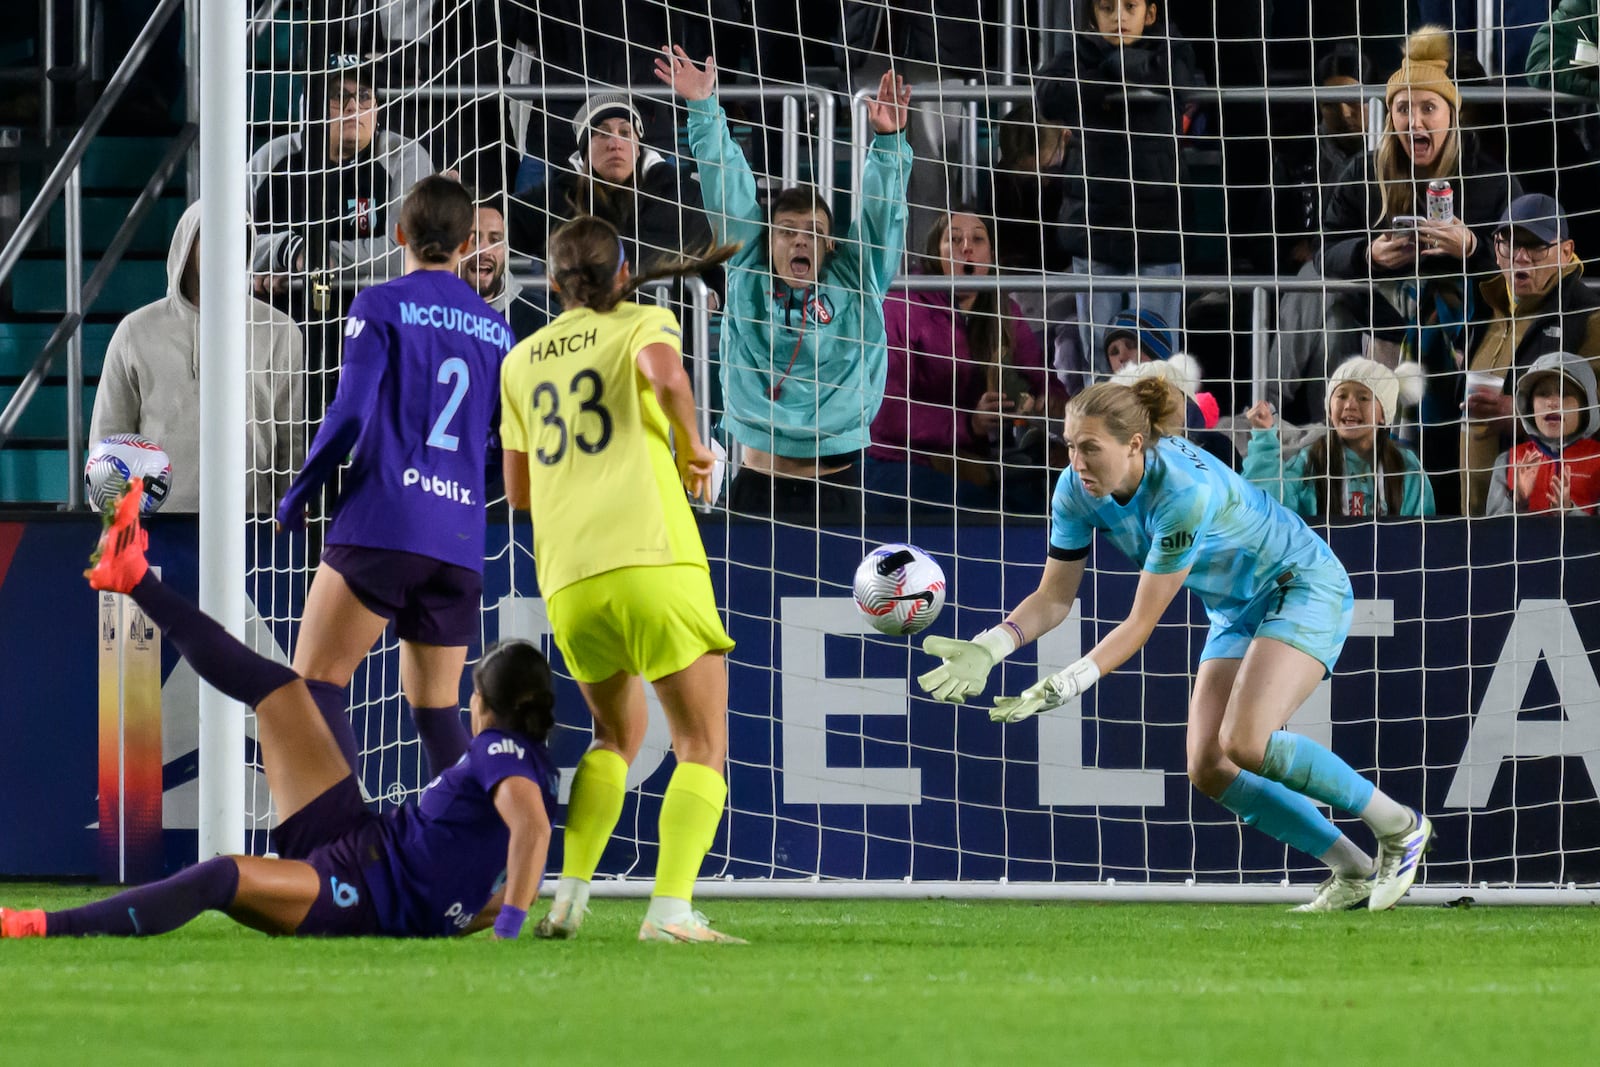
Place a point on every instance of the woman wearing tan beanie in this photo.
(1420, 270)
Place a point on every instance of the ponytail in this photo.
(586, 254)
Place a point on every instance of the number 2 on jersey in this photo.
(440, 436)
(586, 381)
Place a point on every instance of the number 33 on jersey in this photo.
(573, 400)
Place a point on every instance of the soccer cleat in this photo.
(1398, 857)
(562, 922)
(14, 923)
(1339, 893)
(690, 929)
(118, 562)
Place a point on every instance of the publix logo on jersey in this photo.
(448, 488)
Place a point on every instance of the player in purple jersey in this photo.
(414, 410)
(469, 853)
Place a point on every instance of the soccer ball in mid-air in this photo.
(118, 458)
(899, 588)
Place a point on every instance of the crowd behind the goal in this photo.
(1456, 377)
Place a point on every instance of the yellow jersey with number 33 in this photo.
(604, 490)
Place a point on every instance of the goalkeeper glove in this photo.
(966, 666)
(1051, 692)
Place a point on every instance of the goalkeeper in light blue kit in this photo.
(1280, 605)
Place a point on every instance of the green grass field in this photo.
(834, 982)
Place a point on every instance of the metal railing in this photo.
(66, 178)
(45, 71)
(825, 102)
(974, 95)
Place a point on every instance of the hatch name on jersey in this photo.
(448, 488)
(565, 345)
(443, 317)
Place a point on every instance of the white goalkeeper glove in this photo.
(966, 666)
(1051, 692)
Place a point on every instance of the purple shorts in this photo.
(339, 838)
(430, 601)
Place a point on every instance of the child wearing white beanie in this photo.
(1355, 466)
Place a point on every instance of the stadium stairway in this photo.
(33, 463)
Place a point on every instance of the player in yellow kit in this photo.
(587, 403)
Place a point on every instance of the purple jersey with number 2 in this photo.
(445, 855)
(417, 391)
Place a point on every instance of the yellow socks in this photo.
(598, 786)
(690, 812)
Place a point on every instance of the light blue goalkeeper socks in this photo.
(1306, 767)
(1280, 813)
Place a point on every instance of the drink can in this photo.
(1441, 201)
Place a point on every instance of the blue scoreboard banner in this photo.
(1471, 682)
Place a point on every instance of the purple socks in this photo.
(216, 655)
(444, 738)
(335, 707)
(155, 908)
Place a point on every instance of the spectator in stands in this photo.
(1025, 200)
(804, 352)
(1139, 344)
(967, 389)
(1420, 270)
(1302, 184)
(1354, 465)
(427, 43)
(1316, 330)
(150, 384)
(1565, 55)
(1537, 304)
(328, 196)
(1118, 86)
(1558, 467)
(484, 268)
(616, 177)
(1029, 184)
(935, 45)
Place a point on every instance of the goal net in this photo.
(1242, 202)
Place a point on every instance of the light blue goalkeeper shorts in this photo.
(1305, 609)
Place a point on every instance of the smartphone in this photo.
(1406, 225)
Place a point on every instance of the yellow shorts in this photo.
(649, 621)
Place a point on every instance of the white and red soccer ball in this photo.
(900, 589)
(121, 457)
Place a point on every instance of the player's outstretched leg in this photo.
(144, 911)
(119, 566)
(696, 702)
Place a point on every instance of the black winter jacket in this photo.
(1123, 105)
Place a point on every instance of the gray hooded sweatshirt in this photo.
(1576, 370)
(151, 386)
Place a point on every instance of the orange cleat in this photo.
(118, 562)
(15, 923)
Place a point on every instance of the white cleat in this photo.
(1398, 858)
(690, 929)
(562, 921)
(1339, 893)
